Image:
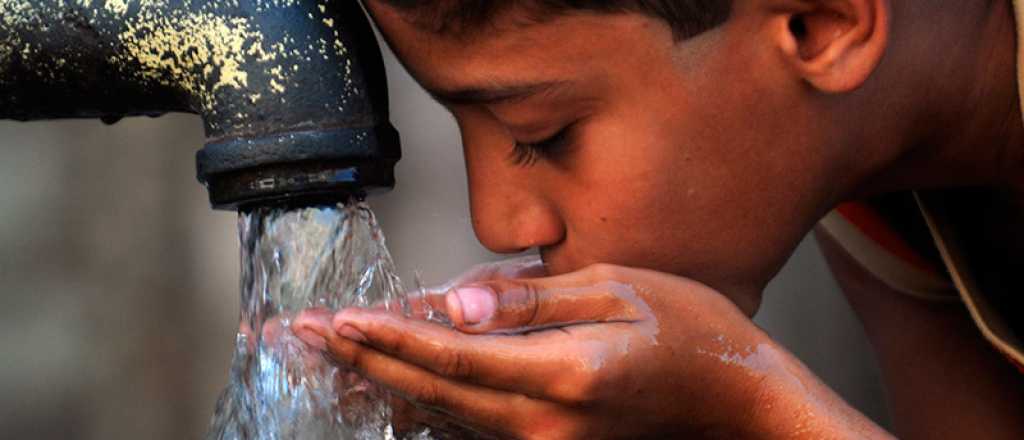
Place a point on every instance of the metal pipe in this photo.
(292, 93)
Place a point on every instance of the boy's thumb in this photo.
(516, 306)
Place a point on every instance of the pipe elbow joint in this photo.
(292, 93)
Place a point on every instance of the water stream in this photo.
(331, 257)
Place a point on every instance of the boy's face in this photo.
(692, 157)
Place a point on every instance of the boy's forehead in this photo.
(412, 38)
(460, 19)
(525, 52)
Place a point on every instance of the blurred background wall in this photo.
(118, 284)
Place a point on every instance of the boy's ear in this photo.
(834, 45)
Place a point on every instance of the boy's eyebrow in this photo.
(495, 94)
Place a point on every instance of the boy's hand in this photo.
(606, 352)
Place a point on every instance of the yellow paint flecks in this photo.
(277, 71)
(5, 50)
(13, 13)
(277, 87)
(200, 52)
(183, 45)
(117, 7)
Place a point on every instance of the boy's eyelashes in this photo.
(528, 153)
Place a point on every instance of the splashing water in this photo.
(331, 257)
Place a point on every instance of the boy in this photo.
(665, 157)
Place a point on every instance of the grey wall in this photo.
(118, 286)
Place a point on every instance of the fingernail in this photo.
(310, 326)
(478, 304)
(349, 332)
(311, 338)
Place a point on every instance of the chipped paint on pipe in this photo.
(276, 81)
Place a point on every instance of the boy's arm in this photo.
(604, 352)
(943, 379)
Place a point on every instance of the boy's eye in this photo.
(527, 153)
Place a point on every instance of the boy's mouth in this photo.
(552, 263)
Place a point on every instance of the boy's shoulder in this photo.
(889, 237)
(939, 247)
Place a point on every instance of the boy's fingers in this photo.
(433, 299)
(314, 327)
(475, 405)
(524, 365)
(420, 306)
(529, 305)
(309, 327)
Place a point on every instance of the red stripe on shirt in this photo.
(873, 225)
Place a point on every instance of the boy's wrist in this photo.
(785, 400)
(777, 412)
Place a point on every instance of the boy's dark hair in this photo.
(687, 18)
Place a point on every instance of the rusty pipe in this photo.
(292, 93)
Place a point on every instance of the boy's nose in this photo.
(510, 220)
(511, 208)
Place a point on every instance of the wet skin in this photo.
(608, 145)
(582, 355)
